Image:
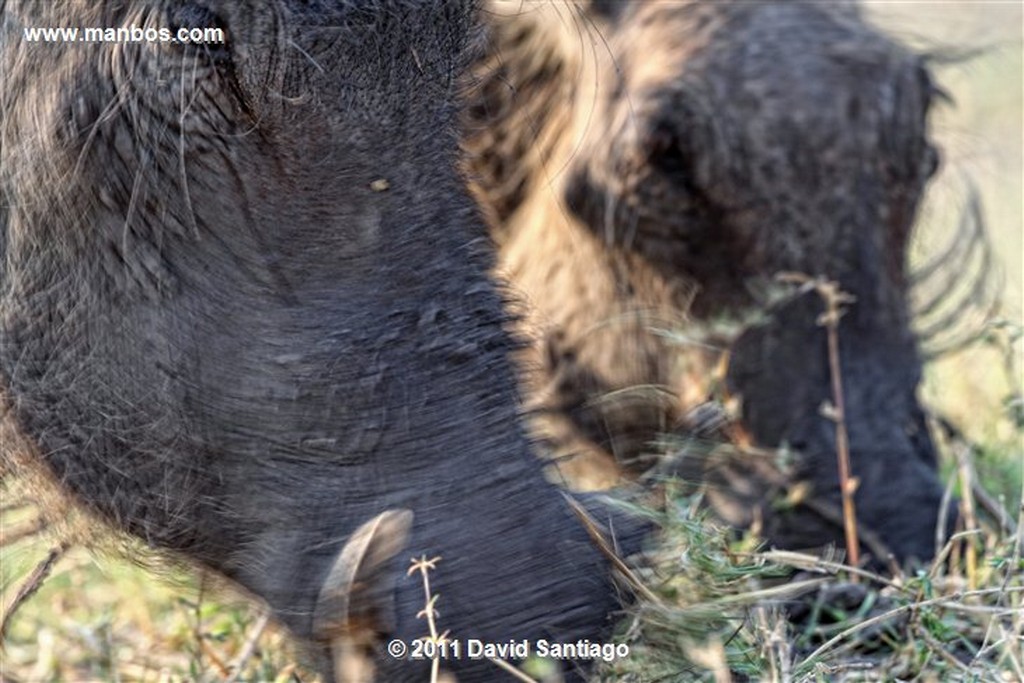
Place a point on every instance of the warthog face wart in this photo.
(657, 176)
(245, 317)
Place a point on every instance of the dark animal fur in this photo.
(219, 338)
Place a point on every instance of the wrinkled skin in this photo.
(654, 166)
(218, 335)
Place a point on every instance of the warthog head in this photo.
(245, 316)
(653, 167)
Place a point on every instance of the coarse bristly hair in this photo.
(246, 315)
(95, 127)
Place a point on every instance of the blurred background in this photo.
(981, 137)
(980, 131)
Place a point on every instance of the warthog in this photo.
(652, 167)
(246, 317)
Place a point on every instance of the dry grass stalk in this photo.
(249, 647)
(602, 544)
(983, 499)
(11, 534)
(942, 523)
(751, 597)
(967, 508)
(835, 299)
(211, 654)
(939, 649)
(808, 562)
(778, 650)
(822, 669)
(1011, 654)
(940, 558)
(203, 647)
(954, 602)
(29, 587)
(423, 566)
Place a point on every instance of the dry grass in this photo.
(99, 619)
(725, 612)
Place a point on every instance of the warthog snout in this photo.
(245, 317)
(649, 186)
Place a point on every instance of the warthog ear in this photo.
(358, 595)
